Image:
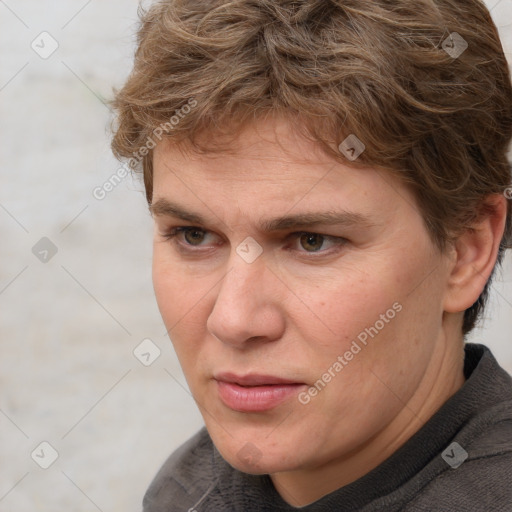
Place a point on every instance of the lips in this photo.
(255, 393)
(253, 379)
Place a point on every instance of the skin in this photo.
(295, 309)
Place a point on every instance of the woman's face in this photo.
(301, 339)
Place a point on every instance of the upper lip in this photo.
(252, 379)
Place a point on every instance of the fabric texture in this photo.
(420, 476)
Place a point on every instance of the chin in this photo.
(257, 457)
(261, 465)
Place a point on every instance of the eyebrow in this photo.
(164, 207)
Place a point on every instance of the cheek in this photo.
(181, 300)
(176, 288)
(396, 325)
(374, 304)
(337, 310)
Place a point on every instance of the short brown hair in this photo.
(379, 69)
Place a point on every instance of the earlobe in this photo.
(474, 256)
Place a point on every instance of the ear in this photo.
(474, 256)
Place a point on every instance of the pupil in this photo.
(193, 234)
(310, 240)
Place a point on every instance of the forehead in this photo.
(272, 168)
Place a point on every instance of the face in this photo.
(296, 334)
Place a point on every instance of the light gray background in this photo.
(68, 327)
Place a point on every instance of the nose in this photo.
(247, 305)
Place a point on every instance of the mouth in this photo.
(255, 393)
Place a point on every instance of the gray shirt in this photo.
(460, 460)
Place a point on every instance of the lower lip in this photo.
(256, 398)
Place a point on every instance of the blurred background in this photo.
(88, 413)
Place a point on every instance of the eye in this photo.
(185, 238)
(192, 235)
(313, 242)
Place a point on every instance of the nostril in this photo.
(256, 338)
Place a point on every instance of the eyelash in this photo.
(172, 235)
